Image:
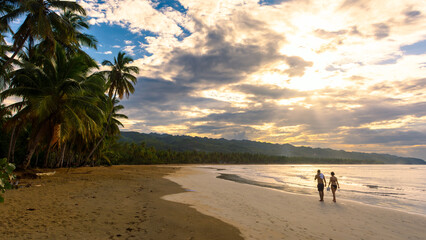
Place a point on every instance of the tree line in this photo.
(65, 112)
(140, 153)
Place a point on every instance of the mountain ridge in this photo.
(187, 143)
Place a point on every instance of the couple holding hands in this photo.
(322, 182)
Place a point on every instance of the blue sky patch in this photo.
(415, 49)
(176, 5)
(272, 2)
(114, 38)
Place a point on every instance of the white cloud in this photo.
(106, 52)
(129, 50)
(339, 46)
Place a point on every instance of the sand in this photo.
(262, 213)
(119, 202)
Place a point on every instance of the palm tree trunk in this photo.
(47, 156)
(105, 130)
(11, 145)
(31, 149)
(36, 162)
(97, 144)
(30, 154)
(61, 161)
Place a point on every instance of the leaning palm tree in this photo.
(112, 127)
(42, 23)
(58, 97)
(120, 81)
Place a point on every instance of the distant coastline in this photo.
(269, 152)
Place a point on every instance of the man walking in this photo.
(321, 183)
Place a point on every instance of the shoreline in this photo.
(238, 179)
(118, 202)
(264, 213)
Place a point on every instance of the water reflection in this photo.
(397, 186)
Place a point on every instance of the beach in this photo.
(265, 213)
(184, 202)
(118, 202)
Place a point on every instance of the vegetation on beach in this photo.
(6, 176)
(269, 150)
(65, 112)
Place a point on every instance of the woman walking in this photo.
(334, 185)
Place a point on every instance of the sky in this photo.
(341, 74)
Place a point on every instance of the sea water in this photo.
(400, 187)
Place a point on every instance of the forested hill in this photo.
(187, 143)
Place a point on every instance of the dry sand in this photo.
(119, 202)
(262, 213)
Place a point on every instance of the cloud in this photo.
(268, 91)
(381, 30)
(330, 34)
(348, 74)
(385, 136)
(297, 66)
(129, 50)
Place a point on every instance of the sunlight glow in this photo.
(225, 95)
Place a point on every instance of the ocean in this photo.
(399, 187)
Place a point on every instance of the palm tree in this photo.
(4, 114)
(120, 78)
(79, 23)
(58, 98)
(5, 7)
(112, 127)
(119, 82)
(42, 23)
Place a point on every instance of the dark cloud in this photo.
(354, 3)
(248, 117)
(224, 62)
(268, 91)
(325, 115)
(413, 85)
(385, 136)
(157, 101)
(381, 30)
(297, 66)
(412, 15)
(222, 65)
(158, 91)
(329, 34)
(355, 31)
(225, 131)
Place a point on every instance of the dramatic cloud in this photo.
(346, 74)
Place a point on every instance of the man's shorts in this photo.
(320, 187)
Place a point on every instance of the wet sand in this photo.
(119, 202)
(265, 213)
